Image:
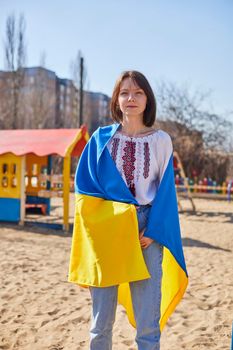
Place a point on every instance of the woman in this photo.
(126, 243)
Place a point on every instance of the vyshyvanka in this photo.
(105, 245)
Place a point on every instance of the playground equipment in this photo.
(26, 178)
(208, 190)
(194, 188)
(183, 191)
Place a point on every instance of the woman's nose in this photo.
(131, 97)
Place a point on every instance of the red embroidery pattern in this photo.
(115, 145)
(146, 160)
(128, 164)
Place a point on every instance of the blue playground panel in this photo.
(10, 209)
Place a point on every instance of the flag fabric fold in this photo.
(105, 247)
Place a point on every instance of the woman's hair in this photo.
(149, 114)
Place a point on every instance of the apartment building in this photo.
(67, 104)
(38, 98)
(96, 110)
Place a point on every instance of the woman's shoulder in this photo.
(162, 144)
(103, 132)
(106, 130)
(162, 136)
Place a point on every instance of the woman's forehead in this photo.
(129, 83)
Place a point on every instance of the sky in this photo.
(183, 42)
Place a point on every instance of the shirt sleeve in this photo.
(164, 152)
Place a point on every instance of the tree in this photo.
(202, 139)
(186, 108)
(15, 58)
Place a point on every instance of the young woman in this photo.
(126, 243)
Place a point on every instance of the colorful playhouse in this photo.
(26, 176)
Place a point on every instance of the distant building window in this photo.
(62, 88)
(31, 79)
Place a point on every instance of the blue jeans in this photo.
(146, 298)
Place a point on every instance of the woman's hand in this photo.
(145, 242)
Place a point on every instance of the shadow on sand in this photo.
(208, 214)
(189, 242)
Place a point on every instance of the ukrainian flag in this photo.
(105, 247)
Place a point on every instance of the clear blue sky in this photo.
(186, 42)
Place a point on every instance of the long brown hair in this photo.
(149, 114)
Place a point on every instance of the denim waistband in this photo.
(142, 206)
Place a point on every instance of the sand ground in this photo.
(40, 310)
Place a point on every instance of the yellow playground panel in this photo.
(12, 191)
(26, 178)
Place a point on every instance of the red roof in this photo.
(43, 142)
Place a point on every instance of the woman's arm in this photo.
(164, 150)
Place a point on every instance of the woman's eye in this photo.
(123, 93)
(139, 93)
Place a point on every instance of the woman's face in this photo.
(131, 99)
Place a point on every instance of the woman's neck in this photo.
(134, 127)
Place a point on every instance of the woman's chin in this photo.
(132, 114)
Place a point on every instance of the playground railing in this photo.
(202, 191)
(55, 185)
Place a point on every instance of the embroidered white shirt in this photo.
(141, 161)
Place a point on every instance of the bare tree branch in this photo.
(202, 138)
(15, 56)
(179, 105)
(21, 57)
